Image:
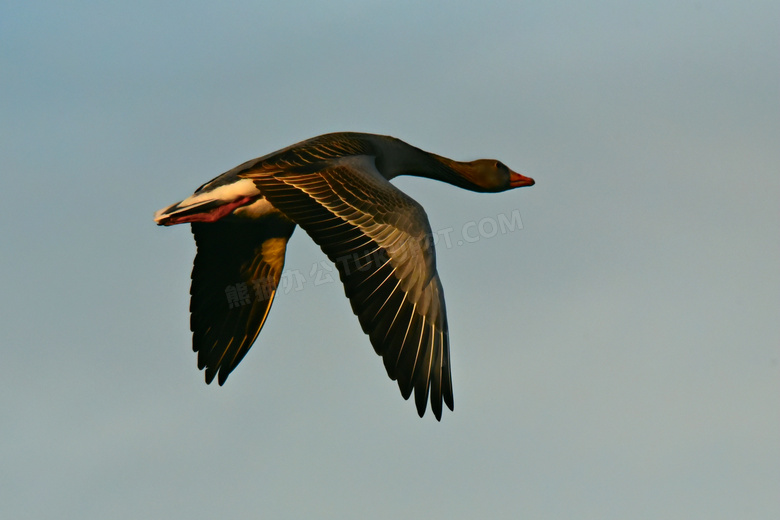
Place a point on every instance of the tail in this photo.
(209, 205)
(187, 211)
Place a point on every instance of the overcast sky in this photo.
(615, 352)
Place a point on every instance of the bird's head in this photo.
(492, 175)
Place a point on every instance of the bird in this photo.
(337, 188)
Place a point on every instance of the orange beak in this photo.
(516, 180)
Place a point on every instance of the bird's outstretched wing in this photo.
(380, 240)
(234, 279)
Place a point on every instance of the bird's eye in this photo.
(500, 165)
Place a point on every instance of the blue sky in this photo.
(618, 356)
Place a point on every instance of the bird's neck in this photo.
(397, 158)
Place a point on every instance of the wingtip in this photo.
(209, 374)
(406, 390)
(448, 400)
(436, 405)
(421, 398)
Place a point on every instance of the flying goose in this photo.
(336, 188)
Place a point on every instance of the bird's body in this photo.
(336, 187)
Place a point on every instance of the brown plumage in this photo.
(336, 188)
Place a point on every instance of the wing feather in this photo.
(234, 278)
(378, 237)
